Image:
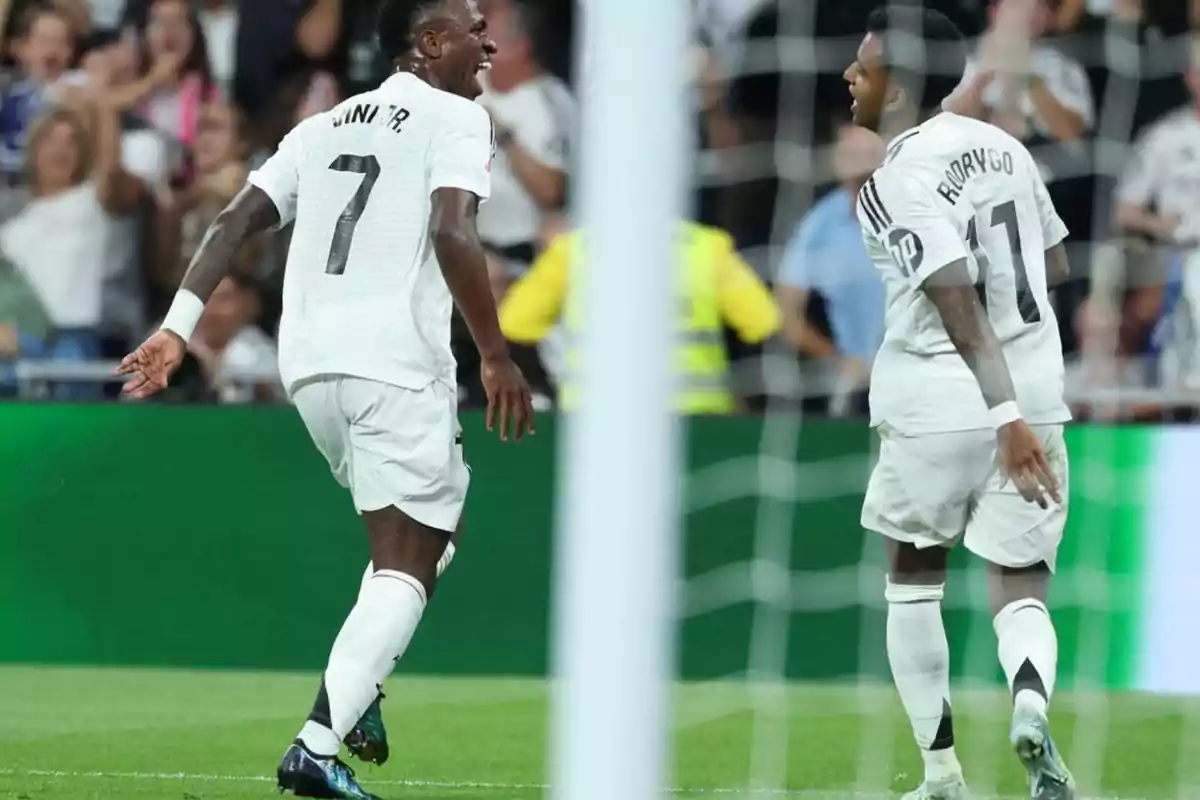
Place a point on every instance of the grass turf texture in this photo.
(85, 733)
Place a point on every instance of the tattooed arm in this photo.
(252, 211)
(268, 199)
(966, 323)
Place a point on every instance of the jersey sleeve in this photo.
(746, 302)
(279, 177)
(904, 216)
(1068, 83)
(544, 132)
(1140, 181)
(533, 304)
(461, 156)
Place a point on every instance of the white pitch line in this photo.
(800, 794)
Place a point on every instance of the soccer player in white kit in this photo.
(967, 389)
(383, 190)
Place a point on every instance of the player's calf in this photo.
(377, 632)
(1027, 646)
(368, 741)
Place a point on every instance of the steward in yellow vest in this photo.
(717, 286)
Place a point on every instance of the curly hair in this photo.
(397, 18)
(925, 52)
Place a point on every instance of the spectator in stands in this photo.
(1025, 85)
(185, 214)
(145, 161)
(1143, 83)
(232, 350)
(44, 45)
(533, 114)
(1158, 212)
(219, 21)
(176, 80)
(75, 171)
(23, 318)
(719, 288)
(106, 16)
(827, 256)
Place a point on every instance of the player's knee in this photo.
(1018, 606)
(914, 592)
(399, 542)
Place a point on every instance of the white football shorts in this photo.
(929, 490)
(390, 446)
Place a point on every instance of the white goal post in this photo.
(616, 569)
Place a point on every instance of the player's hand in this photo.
(1023, 461)
(151, 366)
(509, 397)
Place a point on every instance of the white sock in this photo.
(372, 639)
(366, 578)
(1028, 650)
(920, 659)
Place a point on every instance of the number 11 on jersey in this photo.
(1005, 215)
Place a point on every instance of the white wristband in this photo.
(1003, 414)
(183, 315)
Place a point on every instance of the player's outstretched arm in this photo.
(149, 368)
(460, 255)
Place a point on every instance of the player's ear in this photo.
(429, 43)
(895, 98)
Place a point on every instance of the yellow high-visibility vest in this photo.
(700, 358)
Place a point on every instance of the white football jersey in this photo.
(949, 189)
(363, 294)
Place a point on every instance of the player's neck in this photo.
(420, 69)
(895, 124)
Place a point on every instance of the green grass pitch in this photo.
(176, 735)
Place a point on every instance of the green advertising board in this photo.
(215, 538)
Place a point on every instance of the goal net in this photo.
(785, 687)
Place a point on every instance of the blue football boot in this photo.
(1049, 778)
(368, 741)
(306, 774)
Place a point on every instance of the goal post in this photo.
(616, 569)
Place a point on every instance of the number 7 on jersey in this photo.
(343, 231)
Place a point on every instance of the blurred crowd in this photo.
(126, 125)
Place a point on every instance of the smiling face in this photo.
(45, 51)
(218, 138)
(454, 37)
(868, 79)
(169, 30)
(57, 154)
